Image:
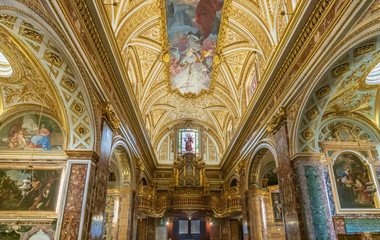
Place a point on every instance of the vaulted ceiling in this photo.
(248, 36)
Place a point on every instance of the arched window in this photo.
(373, 77)
(5, 67)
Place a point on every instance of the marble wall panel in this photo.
(74, 201)
(356, 225)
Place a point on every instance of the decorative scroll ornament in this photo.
(110, 116)
(277, 120)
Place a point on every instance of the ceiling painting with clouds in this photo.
(193, 27)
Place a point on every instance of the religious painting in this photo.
(193, 28)
(188, 141)
(29, 189)
(30, 132)
(354, 185)
(276, 207)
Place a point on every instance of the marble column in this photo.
(315, 195)
(287, 184)
(241, 169)
(74, 217)
(257, 226)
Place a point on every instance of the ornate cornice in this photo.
(105, 70)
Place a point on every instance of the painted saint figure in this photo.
(42, 139)
(189, 141)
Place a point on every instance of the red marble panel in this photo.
(340, 227)
(74, 202)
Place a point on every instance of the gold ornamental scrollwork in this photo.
(277, 120)
(110, 116)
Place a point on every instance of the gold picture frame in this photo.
(41, 200)
(352, 177)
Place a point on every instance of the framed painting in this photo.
(29, 132)
(354, 185)
(188, 141)
(30, 191)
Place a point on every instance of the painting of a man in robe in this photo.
(351, 176)
(29, 190)
(24, 133)
(193, 27)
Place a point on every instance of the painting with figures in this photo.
(29, 189)
(24, 132)
(353, 182)
(276, 206)
(193, 28)
(188, 141)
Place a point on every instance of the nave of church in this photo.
(190, 119)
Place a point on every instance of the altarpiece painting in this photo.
(353, 182)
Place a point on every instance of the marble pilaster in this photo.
(287, 185)
(73, 217)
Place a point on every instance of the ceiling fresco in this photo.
(192, 29)
(197, 60)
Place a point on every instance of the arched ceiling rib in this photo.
(252, 31)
